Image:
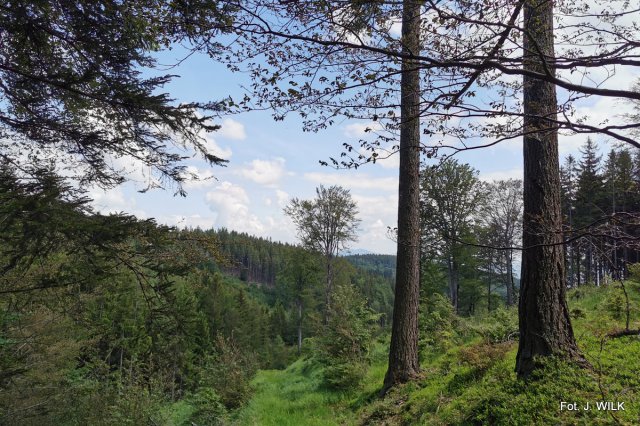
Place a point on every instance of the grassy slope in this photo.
(472, 382)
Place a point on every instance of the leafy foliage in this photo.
(346, 341)
(74, 94)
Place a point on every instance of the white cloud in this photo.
(232, 129)
(605, 111)
(192, 221)
(375, 238)
(110, 201)
(282, 197)
(378, 207)
(395, 29)
(360, 130)
(388, 160)
(230, 204)
(114, 201)
(264, 172)
(232, 208)
(215, 149)
(377, 213)
(354, 180)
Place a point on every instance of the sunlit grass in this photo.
(460, 386)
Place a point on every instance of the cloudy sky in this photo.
(271, 162)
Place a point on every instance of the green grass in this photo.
(468, 381)
(294, 397)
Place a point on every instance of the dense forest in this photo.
(507, 302)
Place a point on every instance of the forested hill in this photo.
(249, 258)
(260, 260)
(383, 264)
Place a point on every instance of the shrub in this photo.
(501, 326)
(615, 304)
(344, 345)
(344, 376)
(634, 270)
(439, 323)
(208, 407)
(229, 372)
(483, 356)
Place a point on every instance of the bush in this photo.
(483, 356)
(344, 376)
(439, 323)
(501, 326)
(229, 373)
(634, 270)
(344, 346)
(615, 304)
(208, 406)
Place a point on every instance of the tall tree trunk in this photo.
(588, 279)
(403, 353)
(489, 287)
(511, 285)
(545, 327)
(455, 285)
(578, 259)
(328, 290)
(452, 283)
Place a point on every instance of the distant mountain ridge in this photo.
(259, 260)
(382, 264)
(355, 251)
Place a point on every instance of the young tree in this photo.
(326, 225)
(568, 184)
(589, 197)
(300, 274)
(502, 213)
(545, 326)
(451, 194)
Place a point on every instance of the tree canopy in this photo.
(81, 90)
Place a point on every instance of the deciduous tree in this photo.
(326, 224)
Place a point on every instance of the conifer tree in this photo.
(568, 184)
(589, 200)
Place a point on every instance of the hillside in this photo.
(382, 264)
(469, 378)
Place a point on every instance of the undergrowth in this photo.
(468, 375)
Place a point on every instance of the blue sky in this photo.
(271, 162)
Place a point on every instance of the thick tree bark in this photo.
(545, 327)
(403, 353)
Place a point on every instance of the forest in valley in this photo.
(507, 301)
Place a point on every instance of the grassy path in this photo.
(293, 397)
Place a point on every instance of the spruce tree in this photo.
(589, 204)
